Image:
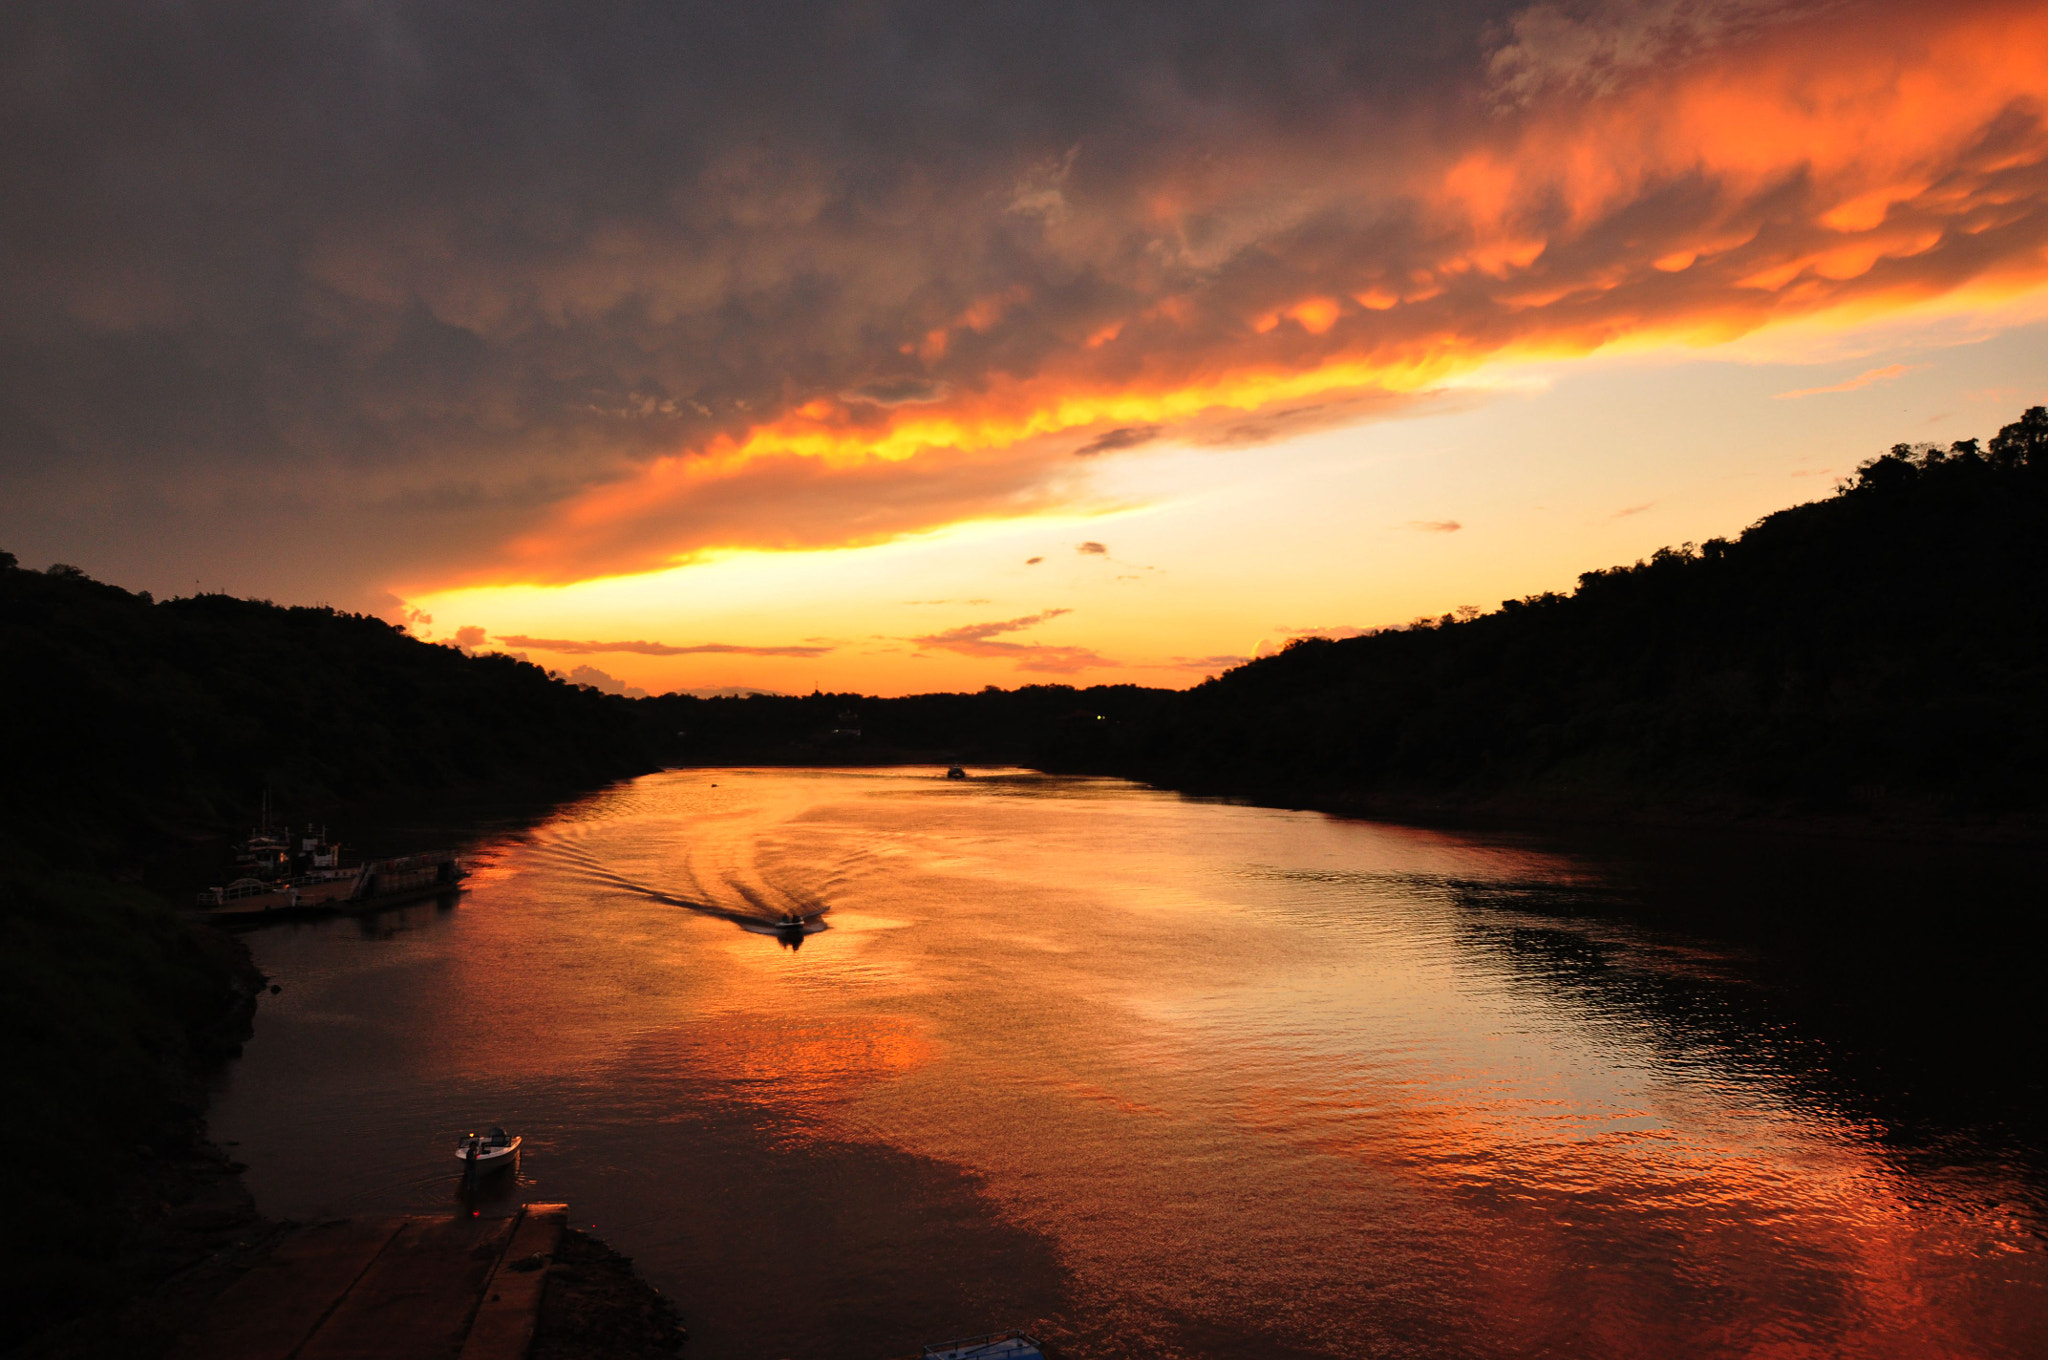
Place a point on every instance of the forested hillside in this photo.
(130, 718)
(1883, 650)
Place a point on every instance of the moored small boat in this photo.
(482, 1153)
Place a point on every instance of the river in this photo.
(1165, 1077)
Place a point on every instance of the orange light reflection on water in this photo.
(1265, 1082)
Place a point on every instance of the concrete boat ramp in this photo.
(443, 1288)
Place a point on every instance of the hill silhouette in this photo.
(1884, 650)
(173, 717)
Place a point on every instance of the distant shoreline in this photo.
(1509, 812)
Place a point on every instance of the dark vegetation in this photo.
(134, 718)
(137, 737)
(1881, 652)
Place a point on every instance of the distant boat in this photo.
(955, 772)
(994, 1346)
(483, 1153)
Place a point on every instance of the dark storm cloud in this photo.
(343, 253)
(363, 293)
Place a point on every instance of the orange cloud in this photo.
(1771, 171)
(982, 640)
(1861, 380)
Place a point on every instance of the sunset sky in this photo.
(900, 347)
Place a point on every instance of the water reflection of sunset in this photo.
(1264, 1082)
(804, 1064)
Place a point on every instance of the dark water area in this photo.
(1167, 1077)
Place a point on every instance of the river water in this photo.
(1163, 1077)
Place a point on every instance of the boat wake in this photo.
(745, 905)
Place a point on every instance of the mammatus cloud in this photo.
(1861, 380)
(1773, 170)
(568, 647)
(1592, 46)
(673, 299)
(903, 391)
(983, 640)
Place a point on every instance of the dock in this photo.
(422, 1288)
(364, 888)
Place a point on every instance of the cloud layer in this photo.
(425, 292)
(570, 647)
(986, 640)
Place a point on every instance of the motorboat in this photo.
(955, 772)
(483, 1153)
(994, 1346)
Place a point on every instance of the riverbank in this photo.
(122, 1008)
(116, 1013)
(1603, 813)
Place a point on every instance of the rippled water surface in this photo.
(1162, 1077)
